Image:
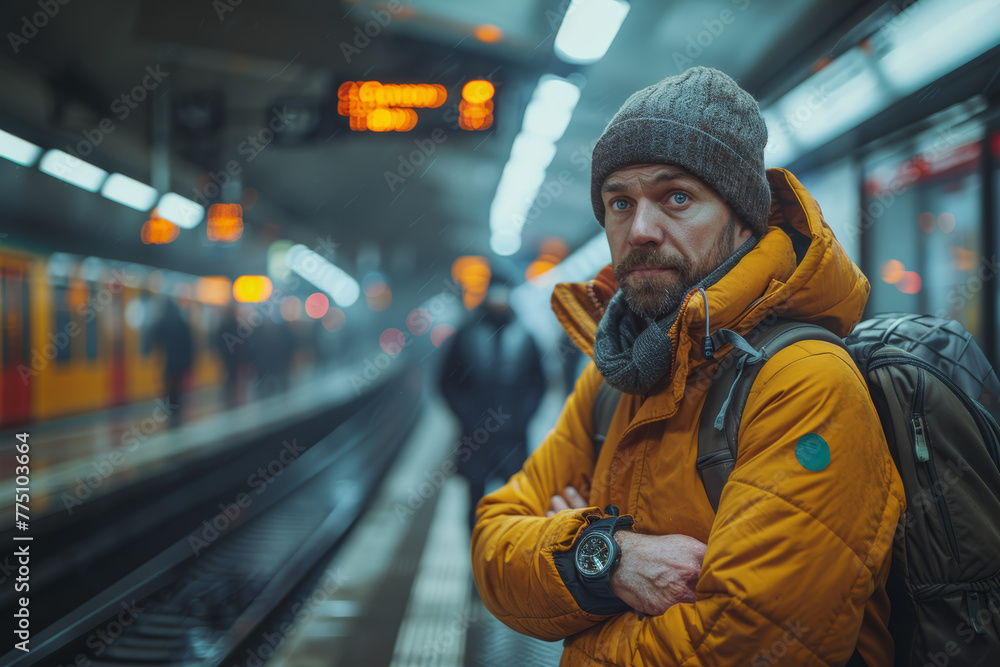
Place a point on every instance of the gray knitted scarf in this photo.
(632, 353)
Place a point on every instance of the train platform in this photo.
(400, 591)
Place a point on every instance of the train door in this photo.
(15, 342)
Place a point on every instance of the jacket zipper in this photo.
(678, 322)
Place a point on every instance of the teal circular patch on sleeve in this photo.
(812, 452)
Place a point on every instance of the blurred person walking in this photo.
(493, 381)
(273, 349)
(229, 345)
(172, 334)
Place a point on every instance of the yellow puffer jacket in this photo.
(797, 560)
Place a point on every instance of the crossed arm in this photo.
(655, 571)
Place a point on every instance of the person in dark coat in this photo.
(229, 345)
(492, 380)
(172, 334)
(273, 346)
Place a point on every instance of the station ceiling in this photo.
(191, 88)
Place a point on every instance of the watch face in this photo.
(593, 556)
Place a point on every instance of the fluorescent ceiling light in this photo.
(72, 170)
(551, 108)
(505, 243)
(935, 37)
(519, 185)
(845, 93)
(520, 181)
(531, 149)
(924, 42)
(588, 28)
(507, 218)
(545, 120)
(18, 150)
(556, 91)
(180, 211)
(840, 97)
(128, 191)
(342, 288)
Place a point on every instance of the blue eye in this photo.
(683, 198)
(615, 203)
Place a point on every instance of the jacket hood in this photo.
(797, 270)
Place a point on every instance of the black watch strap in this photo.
(610, 523)
(593, 596)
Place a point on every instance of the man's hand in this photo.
(569, 500)
(657, 571)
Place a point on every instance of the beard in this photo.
(652, 297)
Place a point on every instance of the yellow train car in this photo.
(76, 334)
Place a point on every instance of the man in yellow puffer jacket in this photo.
(792, 568)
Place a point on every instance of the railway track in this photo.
(188, 573)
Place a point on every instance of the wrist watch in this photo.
(597, 552)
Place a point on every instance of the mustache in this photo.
(650, 258)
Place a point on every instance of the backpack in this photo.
(937, 399)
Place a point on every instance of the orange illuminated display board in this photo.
(225, 222)
(476, 108)
(378, 107)
(373, 106)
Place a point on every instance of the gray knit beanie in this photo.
(702, 121)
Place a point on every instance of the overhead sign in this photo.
(378, 107)
(386, 108)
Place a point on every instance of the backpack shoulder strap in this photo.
(715, 458)
(719, 426)
(602, 413)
